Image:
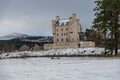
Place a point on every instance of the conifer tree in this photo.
(107, 12)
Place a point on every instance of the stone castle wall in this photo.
(69, 45)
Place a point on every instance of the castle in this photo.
(66, 33)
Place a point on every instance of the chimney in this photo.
(57, 18)
(74, 14)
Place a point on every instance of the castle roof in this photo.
(63, 22)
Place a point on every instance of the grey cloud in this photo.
(34, 16)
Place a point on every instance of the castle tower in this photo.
(66, 30)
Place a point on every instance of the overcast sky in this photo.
(34, 17)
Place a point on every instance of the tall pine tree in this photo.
(107, 12)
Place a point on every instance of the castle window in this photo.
(66, 29)
(72, 39)
(66, 39)
(71, 32)
(57, 29)
(61, 34)
(57, 40)
(79, 45)
(62, 39)
(67, 23)
(64, 34)
(57, 23)
(57, 34)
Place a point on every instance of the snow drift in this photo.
(77, 51)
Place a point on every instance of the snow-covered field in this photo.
(60, 69)
(77, 51)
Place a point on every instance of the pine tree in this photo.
(107, 12)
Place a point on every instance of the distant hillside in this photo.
(27, 38)
(13, 35)
(39, 39)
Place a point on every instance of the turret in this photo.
(53, 26)
(74, 16)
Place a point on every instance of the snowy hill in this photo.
(39, 39)
(13, 35)
(28, 38)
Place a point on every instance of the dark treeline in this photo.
(10, 46)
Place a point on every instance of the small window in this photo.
(61, 34)
(72, 39)
(66, 39)
(71, 32)
(57, 40)
(62, 39)
(57, 23)
(57, 29)
(78, 45)
(67, 23)
(66, 29)
(57, 34)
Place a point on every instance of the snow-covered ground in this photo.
(60, 69)
(77, 51)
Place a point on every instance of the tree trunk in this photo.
(112, 42)
(116, 33)
(105, 42)
(116, 43)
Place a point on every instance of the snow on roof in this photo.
(63, 22)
